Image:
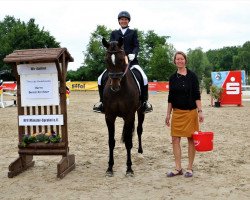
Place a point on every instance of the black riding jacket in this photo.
(131, 43)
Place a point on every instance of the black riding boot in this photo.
(146, 106)
(98, 107)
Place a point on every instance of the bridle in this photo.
(117, 75)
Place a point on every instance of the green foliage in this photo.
(156, 66)
(94, 63)
(198, 62)
(15, 35)
(195, 63)
(207, 83)
(222, 59)
(158, 53)
(40, 137)
(242, 59)
(160, 64)
(216, 92)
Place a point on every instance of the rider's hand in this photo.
(131, 57)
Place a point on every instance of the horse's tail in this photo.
(125, 132)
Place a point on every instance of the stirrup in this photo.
(147, 107)
(98, 107)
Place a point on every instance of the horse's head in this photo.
(117, 62)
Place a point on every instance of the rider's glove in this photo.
(131, 57)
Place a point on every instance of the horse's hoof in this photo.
(140, 151)
(109, 173)
(130, 173)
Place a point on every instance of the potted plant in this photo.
(216, 93)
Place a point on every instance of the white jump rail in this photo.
(8, 88)
(1, 98)
(245, 92)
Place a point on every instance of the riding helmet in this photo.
(124, 14)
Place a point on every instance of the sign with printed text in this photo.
(42, 88)
(39, 84)
(40, 120)
(231, 82)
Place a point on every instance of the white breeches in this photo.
(99, 80)
(145, 78)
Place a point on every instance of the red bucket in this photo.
(203, 141)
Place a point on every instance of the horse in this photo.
(121, 98)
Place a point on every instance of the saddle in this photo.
(137, 77)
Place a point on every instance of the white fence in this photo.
(7, 93)
(246, 93)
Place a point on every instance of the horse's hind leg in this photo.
(111, 128)
(141, 117)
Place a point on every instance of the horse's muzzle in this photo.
(115, 84)
(115, 89)
(116, 78)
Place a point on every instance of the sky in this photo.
(209, 24)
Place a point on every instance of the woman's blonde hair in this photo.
(181, 53)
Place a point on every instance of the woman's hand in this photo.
(201, 117)
(167, 121)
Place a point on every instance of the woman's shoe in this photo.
(175, 172)
(188, 173)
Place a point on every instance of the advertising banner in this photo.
(92, 86)
(231, 82)
(158, 86)
(82, 85)
(9, 85)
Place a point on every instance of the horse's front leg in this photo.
(141, 117)
(128, 130)
(110, 121)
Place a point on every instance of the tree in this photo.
(15, 35)
(161, 66)
(196, 62)
(150, 45)
(222, 59)
(94, 63)
(242, 60)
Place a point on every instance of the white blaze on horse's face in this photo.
(113, 58)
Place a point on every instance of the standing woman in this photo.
(184, 102)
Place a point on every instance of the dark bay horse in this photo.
(121, 99)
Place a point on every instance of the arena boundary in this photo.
(7, 88)
(246, 92)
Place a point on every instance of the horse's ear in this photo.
(105, 43)
(120, 42)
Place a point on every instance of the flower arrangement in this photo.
(40, 137)
(216, 92)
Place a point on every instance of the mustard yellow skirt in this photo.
(184, 122)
